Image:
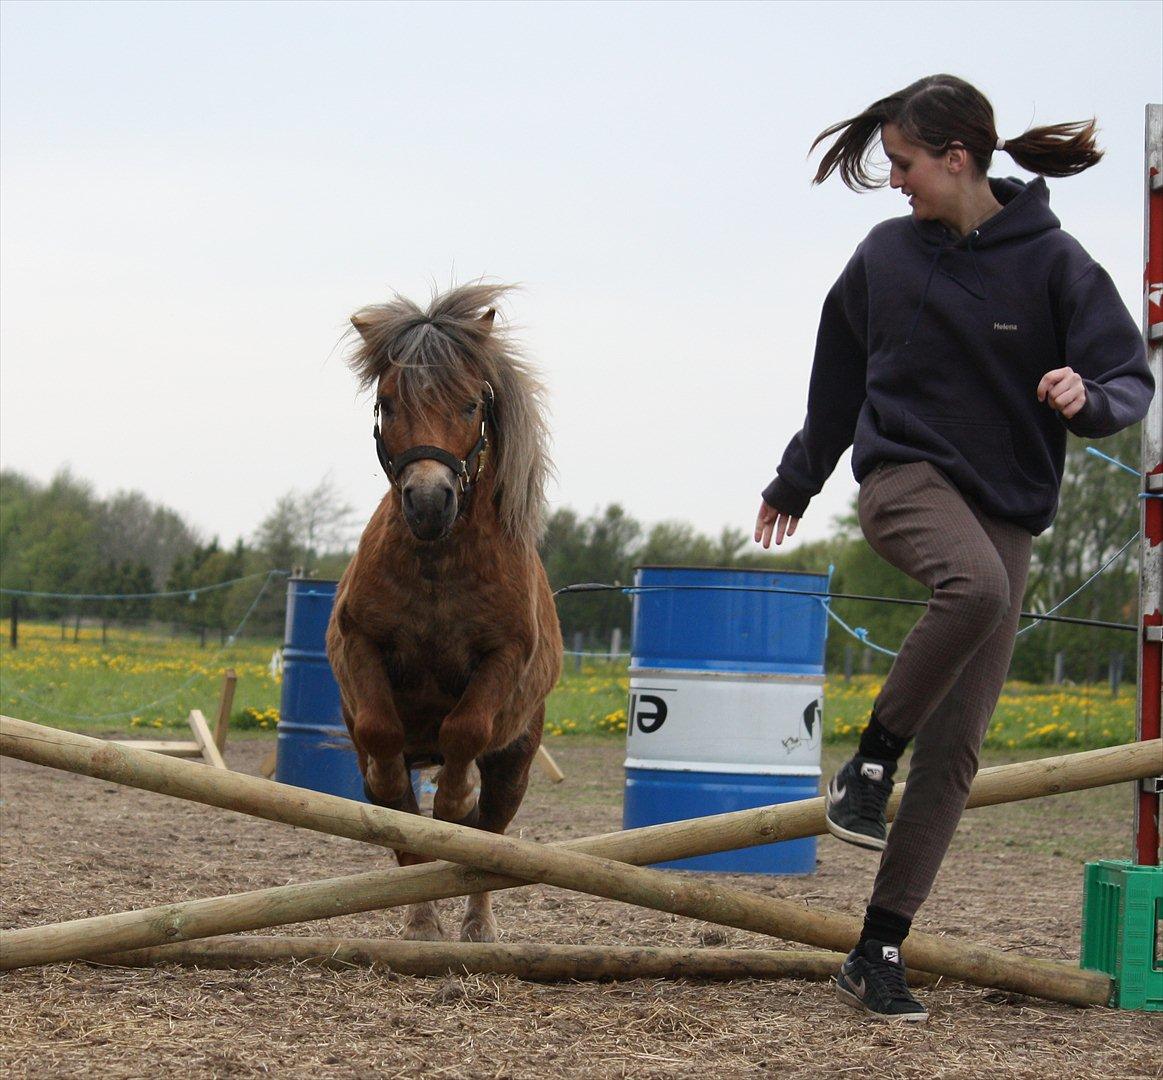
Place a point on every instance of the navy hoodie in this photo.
(931, 348)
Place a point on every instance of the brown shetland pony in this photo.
(444, 638)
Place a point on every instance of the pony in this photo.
(444, 637)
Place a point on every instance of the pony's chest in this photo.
(412, 651)
(434, 647)
(435, 614)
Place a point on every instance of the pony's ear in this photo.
(362, 323)
(486, 320)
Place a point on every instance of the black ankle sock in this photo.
(879, 743)
(884, 926)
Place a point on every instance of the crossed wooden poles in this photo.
(601, 866)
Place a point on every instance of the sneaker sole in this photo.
(854, 1002)
(850, 837)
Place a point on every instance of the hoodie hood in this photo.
(1025, 211)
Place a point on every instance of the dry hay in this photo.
(73, 847)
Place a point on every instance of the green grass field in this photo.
(137, 680)
(149, 682)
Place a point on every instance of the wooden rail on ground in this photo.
(501, 862)
(205, 739)
(539, 963)
(203, 745)
(533, 962)
(547, 763)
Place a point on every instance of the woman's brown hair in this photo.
(941, 111)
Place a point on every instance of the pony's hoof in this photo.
(423, 924)
(397, 804)
(483, 930)
(472, 818)
(423, 933)
(478, 923)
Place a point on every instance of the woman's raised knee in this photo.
(981, 593)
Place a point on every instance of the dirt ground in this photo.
(73, 846)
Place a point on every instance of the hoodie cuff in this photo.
(786, 498)
(1093, 420)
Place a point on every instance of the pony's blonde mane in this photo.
(442, 355)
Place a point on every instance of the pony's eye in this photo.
(387, 409)
(471, 408)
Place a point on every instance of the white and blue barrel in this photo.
(726, 703)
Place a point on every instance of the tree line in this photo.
(61, 537)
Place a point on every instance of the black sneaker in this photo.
(856, 800)
(873, 979)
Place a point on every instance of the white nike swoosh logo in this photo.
(835, 793)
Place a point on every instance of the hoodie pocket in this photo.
(986, 448)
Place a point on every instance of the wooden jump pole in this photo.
(550, 767)
(516, 861)
(225, 704)
(537, 963)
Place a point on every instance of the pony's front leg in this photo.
(421, 921)
(468, 731)
(466, 736)
(376, 730)
(388, 783)
(504, 778)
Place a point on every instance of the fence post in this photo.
(14, 622)
(615, 642)
(1116, 672)
(1059, 668)
(1148, 808)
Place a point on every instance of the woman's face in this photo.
(931, 187)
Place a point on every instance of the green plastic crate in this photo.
(1122, 910)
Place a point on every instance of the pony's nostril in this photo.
(447, 499)
(407, 498)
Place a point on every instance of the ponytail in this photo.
(941, 111)
(1057, 149)
(850, 152)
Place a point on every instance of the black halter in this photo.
(467, 471)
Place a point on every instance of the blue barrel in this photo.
(726, 703)
(314, 749)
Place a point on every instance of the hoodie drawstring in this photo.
(982, 295)
(924, 293)
(973, 259)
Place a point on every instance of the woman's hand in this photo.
(1063, 391)
(771, 520)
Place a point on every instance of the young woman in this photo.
(958, 347)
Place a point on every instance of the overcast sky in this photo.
(195, 197)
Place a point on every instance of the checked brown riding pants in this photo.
(944, 685)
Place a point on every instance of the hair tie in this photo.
(1001, 143)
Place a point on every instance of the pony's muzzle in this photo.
(429, 499)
